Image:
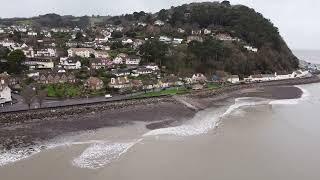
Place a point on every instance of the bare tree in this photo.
(41, 95)
(28, 95)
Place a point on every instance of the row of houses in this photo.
(234, 79)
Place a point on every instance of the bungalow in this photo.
(39, 63)
(5, 91)
(70, 63)
(82, 52)
(94, 83)
(234, 79)
(120, 83)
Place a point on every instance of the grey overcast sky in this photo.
(297, 20)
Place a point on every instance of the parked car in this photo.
(108, 96)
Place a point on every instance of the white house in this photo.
(5, 91)
(234, 79)
(180, 30)
(252, 49)
(31, 33)
(46, 53)
(153, 67)
(127, 41)
(120, 83)
(39, 63)
(177, 41)
(8, 43)
(70, 63)
(133, 61)
(159, 23)
(261, 78)
(165, 39)
(206, 31)
(101, 39)
(301, 74)
(82, 52)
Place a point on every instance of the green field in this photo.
(175, 91)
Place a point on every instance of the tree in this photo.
(28, 94)
(226, 3)
(79, 36)
(15, 59)
(117, 34)
(41, 95)
(154, 51)
(163, 15)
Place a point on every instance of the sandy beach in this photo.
(225, 141)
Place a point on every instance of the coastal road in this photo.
(20, 105)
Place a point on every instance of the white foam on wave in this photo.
(305, 96)
(205, 121)
(12, 156)
(101, 154)
(15, 155)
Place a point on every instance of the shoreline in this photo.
(22, 130)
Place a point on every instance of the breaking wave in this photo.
(205, 121)
(100, 154)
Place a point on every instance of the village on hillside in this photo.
(97, 61)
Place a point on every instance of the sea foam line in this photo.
(101, 154)
(205, 121)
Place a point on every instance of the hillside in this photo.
(239, 21)
(208, 54)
